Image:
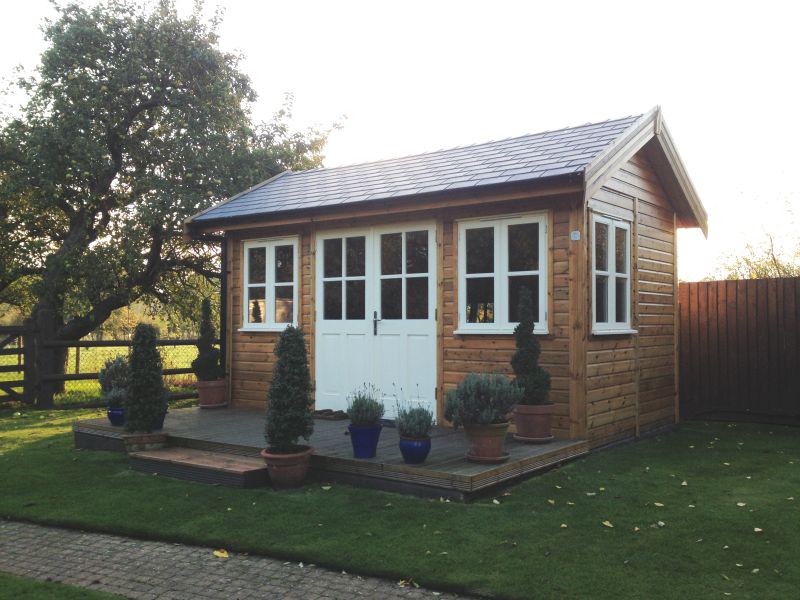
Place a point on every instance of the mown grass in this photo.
(12, 586)
(712, 510)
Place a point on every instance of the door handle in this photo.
(375, 321)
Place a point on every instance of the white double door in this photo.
(376, 315)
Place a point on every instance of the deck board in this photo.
(241, 431)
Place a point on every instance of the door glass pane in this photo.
(257, 265)
(601, 246)
(480, 250)
(391, 298)
(621, 249)
(391, 253)
(333, 258)
(355, 299)
(284, 265)
(601, 299)
(515, 287)
(355, 256)
(480, 300)
(256, 305)
(622, 300)
(523, 247)
(417, 298)
(284, 304)
(417, 252)
(332, 303)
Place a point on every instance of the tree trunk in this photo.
(49, 360)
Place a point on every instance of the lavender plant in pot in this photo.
(113, 379)
(365, 411)
(414, 425)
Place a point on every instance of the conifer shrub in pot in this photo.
(146, 402)
(414, 426)
(113, 379)
(207, 367)
(481, 404)
(289, 414)
(365, 411)
(533, 413)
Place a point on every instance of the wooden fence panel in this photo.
(740, 349)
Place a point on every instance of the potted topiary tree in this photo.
(481, 404)
(146, 404)
(533, 412)
(414, 426)
(211, 384)
(289, 412)
(365, 412)
(113, 379)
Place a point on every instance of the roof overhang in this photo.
(651, 135)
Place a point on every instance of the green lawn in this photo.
(711, 511)
(31, 589)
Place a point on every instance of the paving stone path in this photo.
(161, 570)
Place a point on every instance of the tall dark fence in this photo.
(740, 349)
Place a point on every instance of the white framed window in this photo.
(498, 257)
(611, 275)
(270, 282)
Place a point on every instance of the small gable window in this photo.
(270, 284)
(497, 259)
(611, 275)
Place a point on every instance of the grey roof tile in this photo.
(524, 158)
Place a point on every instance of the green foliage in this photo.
(289, 399)
(364, 407)
(761, 261)
(207, 365)
(135, 120)
(414, 421)
(147, 397)
(116, 397)
(114, 374)
(481, 399)
(533, 379)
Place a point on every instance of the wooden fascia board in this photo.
(382, 207)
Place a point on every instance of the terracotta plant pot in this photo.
(533, 423)
(288, 470)
(141, 442)
(212, 394)
(487, 442)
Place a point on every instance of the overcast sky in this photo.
(417, 76)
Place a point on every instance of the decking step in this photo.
(202, 466)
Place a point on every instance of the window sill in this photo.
(265, 328)
(614, 331)
(536, 331)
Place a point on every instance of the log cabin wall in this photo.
(631, 385)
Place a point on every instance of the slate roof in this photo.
(526, 158)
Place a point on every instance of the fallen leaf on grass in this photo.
(558, 487)
(754, 571)
(757, 529)
(727, 464)
(740, 504)
(552, 502)
(591, 493)
(608, 524)
(495, 501)
(221, 553)
(662, 524)
(563, 526)
(790, 498)
(326, 487)
(570, 503)
(636, 529)
(739, 565)
(684, 483)
(658, 504)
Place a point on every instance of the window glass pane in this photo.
(333, 258)
(417, 252)
(391, 253)
(601, 246)
(391, 298)
(257, 265)
(480, 300)
(417, 298)
(621, 249)
(355, 256)
(601, 299)
(332, 303)
(284, 264)
(622, 300)
(515, 287)
(480, 250)
(284, 304)
(256, 305)
(523, 247)
(355, 299)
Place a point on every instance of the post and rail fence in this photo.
(23, 379)
(740, 350)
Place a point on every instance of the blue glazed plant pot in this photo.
(415, 450)
(365, 440)
(116, 416)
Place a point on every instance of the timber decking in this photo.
(239, 431)
(202, 466)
